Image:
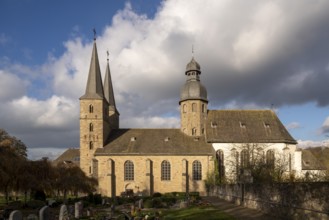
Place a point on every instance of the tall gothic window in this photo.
(91, 108)
(129, 170)
(91, 145)
(165, 170)
(196, 170)
(244, 158)
(91, 127)
(193, 107)
(270, 158)
(220, 163)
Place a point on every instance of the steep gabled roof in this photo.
(94, 88)
(246, 126)
(71, 155)
(310, 162)
(154, 142)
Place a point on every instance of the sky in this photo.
(256, 54)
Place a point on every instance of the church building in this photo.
(146, 161)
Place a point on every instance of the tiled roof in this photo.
(310, 162)
(71, 155)
(154, 142)
(245, 126)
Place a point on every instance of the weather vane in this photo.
(94, 33)
(192, 50)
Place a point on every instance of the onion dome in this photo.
(193, 89)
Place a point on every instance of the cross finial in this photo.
(108, 54)
(192, 50)
(94, 33)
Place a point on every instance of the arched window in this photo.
(128, 170)
(184, 108)
(270, 158)
(196, 170)
(165, 170)
(91, 145)
(193, 107)
(91, 108)
(220, 163)
(91, 127)
(244, 158)
(203, 108)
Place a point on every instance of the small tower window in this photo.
(91, 145)
(184, 108)
(193, 131)
(193, 107)
(203, 108)
(91, 108)
(91, 127)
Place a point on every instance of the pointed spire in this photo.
(94, 89)
(108, 87)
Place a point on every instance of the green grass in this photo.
(209, 213)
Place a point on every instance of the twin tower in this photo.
(99, 115)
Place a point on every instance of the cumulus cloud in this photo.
(293, 125)
(253, 54)
(310, 143)
(325, 126)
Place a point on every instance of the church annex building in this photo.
(173, 160)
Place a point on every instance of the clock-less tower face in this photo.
(193, 102)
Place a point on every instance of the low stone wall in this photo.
(283, 200)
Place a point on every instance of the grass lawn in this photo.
(208, 212)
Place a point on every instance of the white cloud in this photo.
(325, 126)
(252, 54)
(39, 153)
(310, 143)
(293, 125)
(11, 86)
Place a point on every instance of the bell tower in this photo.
(94, 119)
(193, 101)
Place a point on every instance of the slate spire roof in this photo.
(108, 88)
(94, 89)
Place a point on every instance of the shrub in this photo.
(148, 204)
(35, 204)
(157, 194)
(39, 195)
(157, 202)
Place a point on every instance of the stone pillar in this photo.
(111, 175)
(149, 176)
(185, 176)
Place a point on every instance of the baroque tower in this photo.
(97, 109)
(193, 101)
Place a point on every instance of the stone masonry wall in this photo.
(283, 200)
(147, 174)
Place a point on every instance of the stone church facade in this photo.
(171, 160)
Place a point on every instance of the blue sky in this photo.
(255, 55)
